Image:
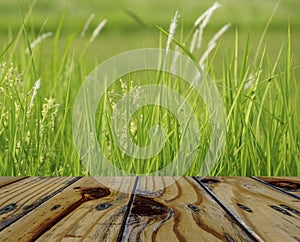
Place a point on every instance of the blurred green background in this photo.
(131, 23)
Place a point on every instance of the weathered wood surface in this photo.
(83, 210)
(98, 218)
(288, 184)
(180, 212)
(19, 198)
(5, 180)
(149, 209)
(273, 215)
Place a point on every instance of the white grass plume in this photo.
(203, 21)
(38, 40)
(87, 24)
(36, 86)
(213, 43)
(207, 13)
(98, 30)
(194, 40)
(172, 31)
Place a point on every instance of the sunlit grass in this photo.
(36, 124)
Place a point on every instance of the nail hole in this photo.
(55, 207)
(193, 207)
(249, 210)
(295, 211)
(280, 210)
(103, 206)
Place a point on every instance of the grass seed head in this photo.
(212, 44)
(87, 24)
(203, 21)
(98, 30)
(49, 113)
(172, 30)
(38, 40)
(35, 89)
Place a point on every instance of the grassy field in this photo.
(257, 79)
(124, 32)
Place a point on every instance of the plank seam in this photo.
(12, 182)
(121, 235)
(278, 189)
(234, 216)
(7, 222)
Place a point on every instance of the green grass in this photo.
(263, 132)
(123, 32)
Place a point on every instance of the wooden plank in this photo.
(84, 210)
(183, 211)
(96, 219)
(17, 199)
(6, 180)
(274, 216)
(87, 210)
(289, 184)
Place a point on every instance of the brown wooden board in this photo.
(21, 197)
(182, 211)
(6, 180)
(149, 209)
(84, 210)
(96, 218)
(273, 215)
(289, 184)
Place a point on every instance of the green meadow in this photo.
(255, 66)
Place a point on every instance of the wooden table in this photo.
(189, 209)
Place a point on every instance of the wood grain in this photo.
(289, 184)
(18, 199)
(272, 215)
(180, 212)
(84, 210)
(149, 209)
(6, 180)
(96, 219)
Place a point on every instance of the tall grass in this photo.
(36, 120)
(262, 118)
